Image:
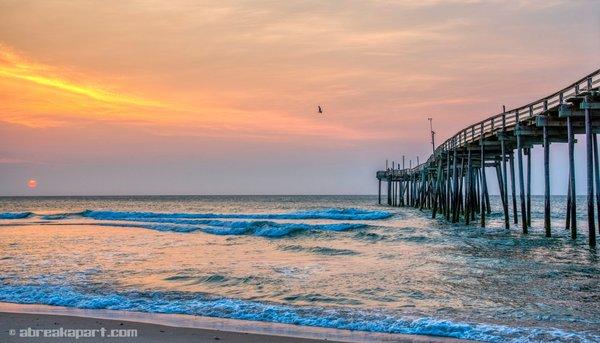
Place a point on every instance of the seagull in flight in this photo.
(320, 109)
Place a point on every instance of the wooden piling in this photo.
(513, 187)
(394, 192)
(379, 192)
(401, 193)
(571, 199)
(529, 187)
(521, 181)
(389, 193)
(436, 189)
(448, 190)
(461, 180)
(597, 176)
(483, 181)
(590, 176)
(422, 196)
(475, 196)
(455, 192)
(468, 191)
(501, 188)
(504, 185)
(568, 215)
(546, 181)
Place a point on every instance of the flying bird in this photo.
(320, 109)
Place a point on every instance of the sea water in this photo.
(329, 261)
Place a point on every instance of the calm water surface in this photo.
(332, 261)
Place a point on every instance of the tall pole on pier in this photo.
(432, 135)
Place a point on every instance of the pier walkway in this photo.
(452, 182)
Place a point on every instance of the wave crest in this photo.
(332, 213)
(15, 215)
(254, 228)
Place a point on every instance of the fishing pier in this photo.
(452, 182)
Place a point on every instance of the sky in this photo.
(220, 97)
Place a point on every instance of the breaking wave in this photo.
(254, 228)
(15, 215)
(250, 224)
(339, 318)
(332, 213)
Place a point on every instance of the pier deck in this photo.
(452, 182)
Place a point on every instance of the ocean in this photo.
(328, 261)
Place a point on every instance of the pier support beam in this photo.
(504, 185)
(571, 199)
(529, 187)
(590, 176)
(468, 189)
(597, 176)
(437, 190)
(521, 183)
(448, 190)
(546, 182)
(389, 193)
(500, 183)
(513, 187)
(483, 181)
(456, 196)
(393, 198)
(379, 192)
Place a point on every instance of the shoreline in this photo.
(157, 327)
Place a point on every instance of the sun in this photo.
(32, 183)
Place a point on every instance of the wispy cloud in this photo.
(41, 95)
(15, 66)
(8, 160)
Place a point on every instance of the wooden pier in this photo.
(452, 182)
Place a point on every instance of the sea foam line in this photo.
(338, 318)
(254, 228)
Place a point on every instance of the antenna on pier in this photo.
(403, 162)
(432, 134)
(386, 164)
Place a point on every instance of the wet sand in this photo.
(162, 328)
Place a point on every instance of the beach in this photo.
(146, 327)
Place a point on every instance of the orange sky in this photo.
(186, 96)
